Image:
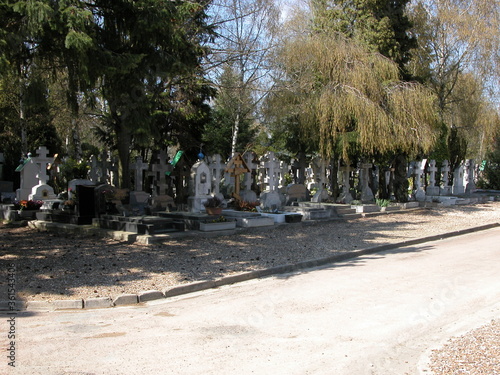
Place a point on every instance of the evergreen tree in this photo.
(382, 25)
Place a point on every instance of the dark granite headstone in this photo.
(86, 201)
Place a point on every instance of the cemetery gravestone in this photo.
(458, 181)
(432, 189)
(248, 195)
(346, 196)
(237, 167)
(419, 191)
(42, 191)
(366, 192)
(445, 187)
(199, 186)
(470, 186)
(216, 168)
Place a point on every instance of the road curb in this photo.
(151, 295)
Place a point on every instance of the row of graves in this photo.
(217, 194)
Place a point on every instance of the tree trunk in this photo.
(235, 133)
(124, 140)
(334, 182)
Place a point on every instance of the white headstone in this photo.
(419, 189)
(458, 181)
(270, 164)
(445, 170)
(432, 189)
(200, 186)
(73, 183)
(29, 171)
(345, 196)
(470, 185)
(217, 169)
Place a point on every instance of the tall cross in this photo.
(216, 167)
(236, 167)
(42, 160)
(139, 167)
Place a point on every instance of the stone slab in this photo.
(189, 288)
(126, 299)
(15, 305)
(98, 303)
(253, 222)
(150, 295)
(277, 218)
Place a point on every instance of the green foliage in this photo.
(382, 202)
(490, 178)
(381, 25)
(233, 106)
(69, 170)
(348, 93)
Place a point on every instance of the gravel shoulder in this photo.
(475, 353)
(53, 267)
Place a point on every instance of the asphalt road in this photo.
(378, 314)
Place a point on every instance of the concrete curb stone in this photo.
(64, 304)
(15, 305)
(97, 303)
(189, 288)
(150, 295)
(126, 299)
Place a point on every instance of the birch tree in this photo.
(246, 31)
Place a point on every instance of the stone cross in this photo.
(470, 185)
(216, 167)
(366, 192)
(42, 160)
(159, 168)
(445, 187)
(345, 196)
(432, 189)
(95, 174)
(419, 189)
(236, 167)
(252, 165)
(458, 181)
(139, 167)
(271, 166)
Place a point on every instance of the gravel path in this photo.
(51, 266)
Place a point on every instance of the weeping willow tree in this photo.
(347, 91)
(343, 93)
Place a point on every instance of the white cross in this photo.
(42, 160)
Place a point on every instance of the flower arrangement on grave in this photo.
(246, 206)
(213, 206)
(212, 202)
(220, 219)
(70, 203)
(28, 205)
(382, 202)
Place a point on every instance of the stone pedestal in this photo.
(42, 192)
